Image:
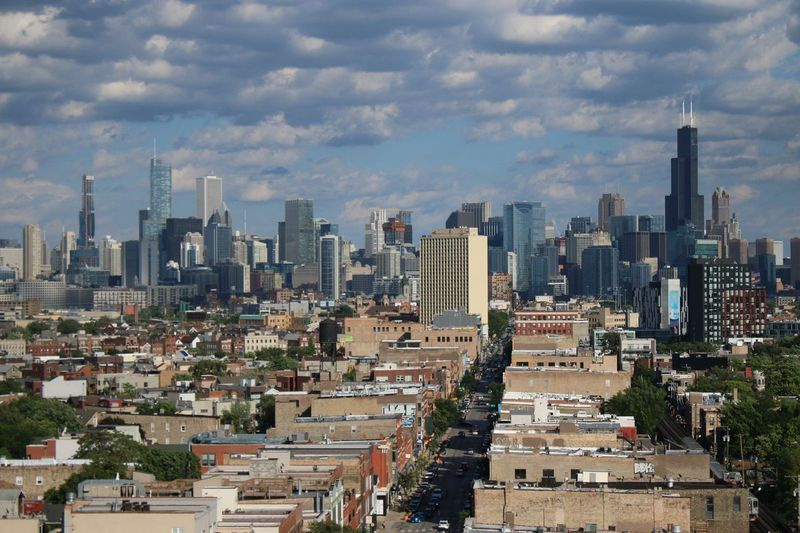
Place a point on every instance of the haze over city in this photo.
(364, 105)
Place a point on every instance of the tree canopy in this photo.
(68, 326)
(498, 322)
(276, 359)
(29, 419)
(209, 366)
(643, 400)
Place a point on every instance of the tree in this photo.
(129, 391)
(265, 413)
(350, 375)
(167, 464)
(238, 416)
(644, 401)
(36, 328)
(276, 359)
(31, 418)
(496, 391)
(498, 322)
(68, 326)
(16, 333)
(209, 366)
(611, 342)
(330, 527)
(445, 414)
(160, 407)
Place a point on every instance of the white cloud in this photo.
(175, 13)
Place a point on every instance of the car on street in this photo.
(416, 518)
(470, 451)
(461, 434)
(444, 525)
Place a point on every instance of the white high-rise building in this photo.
(111, 256)
(31, 251)
(69, 242)
(387, 263)
(373, 232)
(208, 197)
(453, 267)
(191, 250)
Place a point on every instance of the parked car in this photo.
(417, 518)
(470, 451)
(444, 525)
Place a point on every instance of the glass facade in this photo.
(523, 231)
(160, 190)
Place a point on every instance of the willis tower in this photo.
(683, 206)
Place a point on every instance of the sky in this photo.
(419, 105)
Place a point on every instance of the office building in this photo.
(388, 263)
(373, 232)
(394, 232)
(160, 190)
(130, 263)
(13, 258)
(86, 218)
(794, 248)
(765, 245)
(600, 271)
(234, 277)
(651, 223)
(479, 213)
(723, 302)
(31, 251)
(523, 230)
(67, 246)
(581, 225)
(174, 233)
(619, 225)
(737, 250)
(662, 305)
(330, 267)
(453, 267)
(257, 252)
(192, 250)
(217, 240)
(458, 219)
(575, 245)
(610, 205)
(767, 272)
(298, 238)
(641, 274)
(684, 206)
(111, 256)
(493, 229)
(208, 197)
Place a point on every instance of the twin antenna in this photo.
(683, 113)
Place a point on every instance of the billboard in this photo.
(674, 306)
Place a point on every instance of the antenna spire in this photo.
(154, 147)
(683, 112)
(691, 113)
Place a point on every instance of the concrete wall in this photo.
(624, 510)
(599, 363)
(603, 384)
(36, 480)
(502, 466)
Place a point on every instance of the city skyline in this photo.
(503, 104)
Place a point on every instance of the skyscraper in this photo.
(684, 206)
(610, 205)
(299, 246)
(453, 267)
(208, 197)
(217, 240)
(86, 218)
(720, 206)
(523, 230)
(329, 266)
(31, 251)
(373, 232)
(794, 250)
(160, 190)
(600, 271)
(479, 213)
(68, 244)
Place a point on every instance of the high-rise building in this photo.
(458, 219)
(610, 205)
(130, 263)
(576, 244)
(31, 251)
(723, 302)
(479, 213)
(651, 223)
(722, 225)
(387, 263)
(600, 271)
(493, 229)
(737, 250)
(794, 249)
(453, 266)
(662, 305)
(634, 246)
(208, 197)
(192, 250)
(523, 230)
(373, 232)
(86, 218)
(217, 240)
(720, 206)
(299, 245)
(581, 225)
(765, 245)
(329, 267)
(68, 244)
(160, 190)
(684, 206)
(111, 256)
(174, 233)
(767, 271)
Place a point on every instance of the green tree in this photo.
(445, 414)
(644, 401)
(128, 391)
(168, 464)
(276, 359)
(36, 328)
(330, 527)
(350, 375)
(29, 419)
(238, 416)
(498, 322)
(610, 342)
(68, 326)
(16, 333)
(209, 366)
(265, 414)
(160, 407)
(496, 391)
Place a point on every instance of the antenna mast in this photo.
(691, 113)
(683, 112)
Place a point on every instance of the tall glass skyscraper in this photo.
(299, 245)
(329, 265)
(86, 219)
(160, 190)
(523, 230)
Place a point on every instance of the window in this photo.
(520, 473)
(709, 508)
(208, 459)
(166, 426)
(183, 428)
(573, 474)
(39, 480)
(737, 504)
(548, 472)
(176, 530)
(19, 481)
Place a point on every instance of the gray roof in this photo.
(9, 495)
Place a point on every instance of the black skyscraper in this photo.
(683, 206)
(86, 218)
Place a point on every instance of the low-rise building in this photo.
(566, 381)
(34, 477)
